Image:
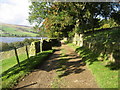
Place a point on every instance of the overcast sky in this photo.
(14, 11)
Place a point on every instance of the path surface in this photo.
(64, 69)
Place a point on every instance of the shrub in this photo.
(4, 46)
(55, 42)
(9, 46)
(26, 41)
(18, 44)
(106, 26)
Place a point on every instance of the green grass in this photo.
(13, 74)
(10, 62)
(73, 45)
(57, 81)
(105, 77)
(17, 30)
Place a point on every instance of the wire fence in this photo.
(26, 51)
(7, 54)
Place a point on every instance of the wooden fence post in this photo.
(27, 52)
(17, 57)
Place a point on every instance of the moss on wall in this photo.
(106, 44)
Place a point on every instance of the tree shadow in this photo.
(26, 65)
(102, 45)
(87, 55)
(113, 66)
(68, 64)
(70, 67)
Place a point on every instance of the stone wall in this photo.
(78, 39)
(39, 46)
(102, 43)
(34, 48)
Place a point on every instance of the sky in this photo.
(14, 12)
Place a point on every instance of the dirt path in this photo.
(64, 69)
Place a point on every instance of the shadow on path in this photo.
(66, 65)
(67, 62)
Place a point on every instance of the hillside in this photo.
(16, 30)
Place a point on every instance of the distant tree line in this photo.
(15, 35)
(9, 46)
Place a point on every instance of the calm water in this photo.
(15, 39)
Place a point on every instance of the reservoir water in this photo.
(15, 39)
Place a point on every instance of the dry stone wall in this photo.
(97, 44)
(78, 39)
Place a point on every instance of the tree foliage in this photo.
(116, 17)
(61, 18)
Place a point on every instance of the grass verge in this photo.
(105, 77)
(13, 74)
(10, 62)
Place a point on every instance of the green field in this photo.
(11, 72)
(16, 30)
(10, 62)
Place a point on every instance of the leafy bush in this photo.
(4, 46)
(106, 26)
(11, 45)
(28, 41)
(18, 44)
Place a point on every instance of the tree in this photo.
(38, 12)
(60, 18)
(116, 17)
(4, 46)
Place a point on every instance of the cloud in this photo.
(14, 11)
